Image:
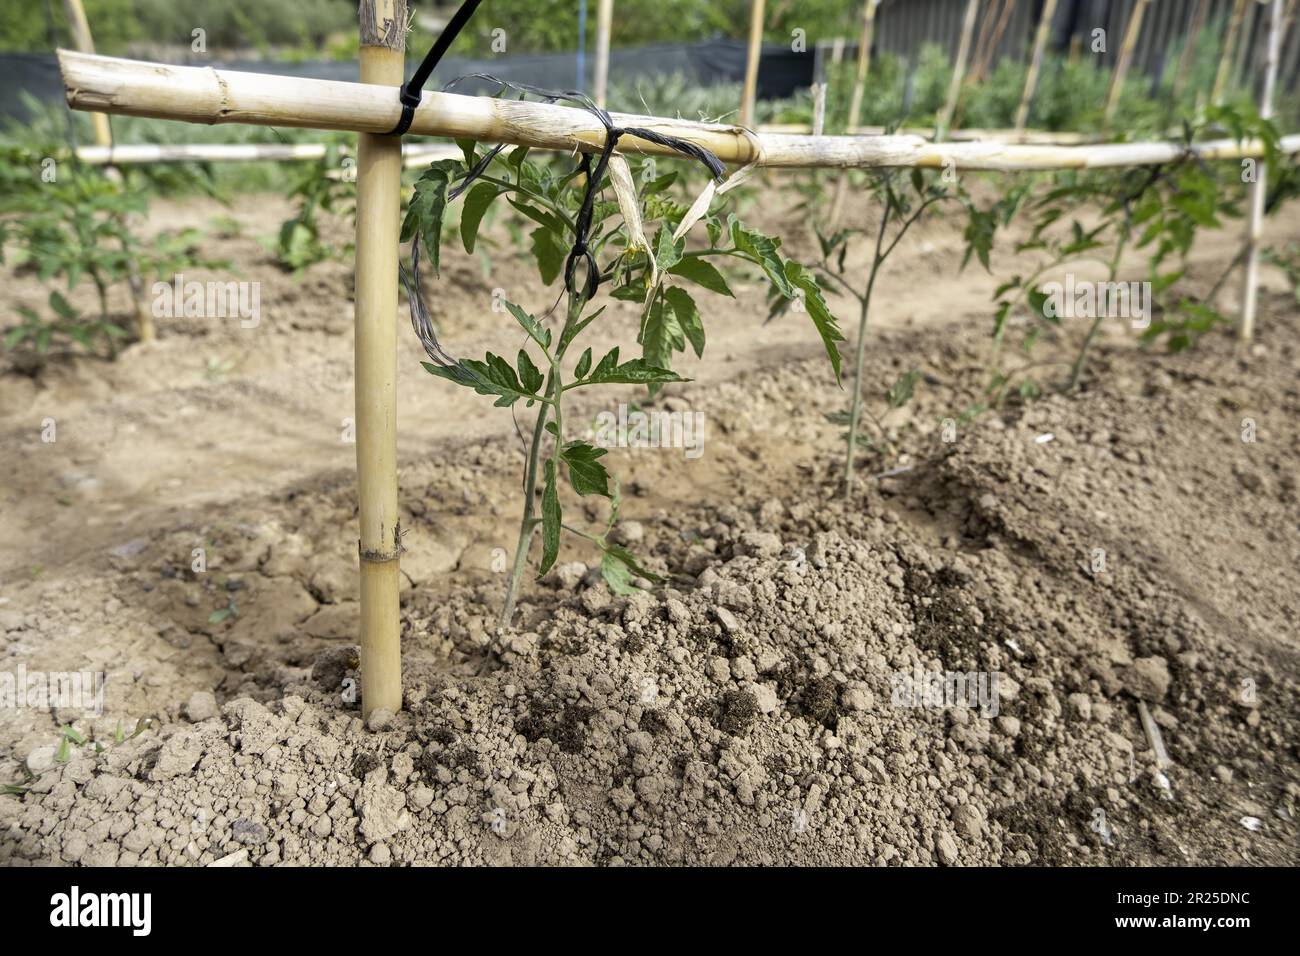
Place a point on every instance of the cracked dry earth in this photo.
(746, 713)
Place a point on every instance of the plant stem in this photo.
(528, 522)
(855, 409)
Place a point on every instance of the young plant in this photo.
(901, 207)
(79, 227)
(320, 188)
(589, 243)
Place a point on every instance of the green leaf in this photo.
(635, 372)
(618, 566)
(668, 251)
(550, 254)
(219, 615)
(545, 219)
(467, 147)
(826, 324)
(551, 520)
(688, 317)
(586, 474)
(61, 305)
(476, 204)
(529, 376)
(428, 206)
(900, 393)
(583, 366)
(491, 377)
(764, 249)
(702, 273)
(536, 331)
(661, 335)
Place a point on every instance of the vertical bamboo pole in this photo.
(379, 184)
(751, 63)
(604, 20)
(1248, 45)
(958, 70)
(864, 63)
(1189, 46)
(1225, 58)
(82, 39)
(1125, 58)
(1259, 189)
(1035, 63)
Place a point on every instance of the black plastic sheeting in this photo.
(781, 71)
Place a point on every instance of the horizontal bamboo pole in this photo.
(1036, 137)
(206, 95)
(137, 153)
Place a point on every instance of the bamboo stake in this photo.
(137, 154)
(379, 185)
(864, 61)
(1248, 43)
(1125, 58)
(1225, 58)
(1189, 46)
(205, 95)
(750, 91)
(1259, 189)
(958, 71)
(855, 101)
(604, 21)
(1035, 63)
(85, 42)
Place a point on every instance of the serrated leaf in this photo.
(471, 216)
(491, 377)
(551, 519)
(587, 475)
(900, 393)
(608, 371)
(428, 205)
(661, 335)
(529, 375)
(618, 566)
(549, 253)
(583, 366)
(702, 273)
(536, 331)
(688, 317)
(668, 251)
(765, 250)
(815, 303)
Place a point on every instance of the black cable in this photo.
(412, 88)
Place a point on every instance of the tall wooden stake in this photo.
(864, 62)
(1225, 58)
(1035, 63)
(1125, 57)
(379, 199)
(958, 70)
(1189, 46)
(84, 42)
(750, 91)
(604, 20)
(1259, 189)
